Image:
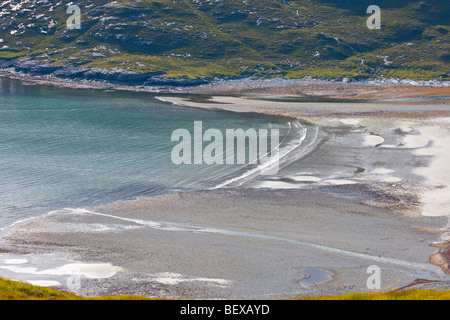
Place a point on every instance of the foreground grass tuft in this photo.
(15, 290)
(416, 294)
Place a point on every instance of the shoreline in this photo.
(364, 89)
(381, 95)
(309, 111)
(317, 110)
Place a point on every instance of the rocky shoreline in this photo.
(31, 71)
(35, 71)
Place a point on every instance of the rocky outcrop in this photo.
(29, 66)
(114, 75)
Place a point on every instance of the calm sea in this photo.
(76, 148)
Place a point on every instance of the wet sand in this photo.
(254, 243)
(235, 244)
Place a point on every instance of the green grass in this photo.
(15, 290)
(417, 294)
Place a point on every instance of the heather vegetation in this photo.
(204, 39)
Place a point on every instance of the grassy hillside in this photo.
(203, 39)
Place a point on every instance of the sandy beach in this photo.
(315, 232)
(236, 244)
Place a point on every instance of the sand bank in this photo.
(236, 244)
(307, 110)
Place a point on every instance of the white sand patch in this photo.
(18, 269)
(94, 271)
(436, 203)
(337, 182)
(391, 179)
(436, 200)
(170, 278)
(350, 121)
(415, 141)
(15, 261)
(276, 185)
(403, 129)
(385, 175)
(45, 283)
(382, 171)
(426, 152)
(373, 140)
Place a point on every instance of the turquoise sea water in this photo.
(74, 148)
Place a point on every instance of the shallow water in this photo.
(79, 148)
(75, 148)
(316, 276)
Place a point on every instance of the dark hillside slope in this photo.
(158, 41)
